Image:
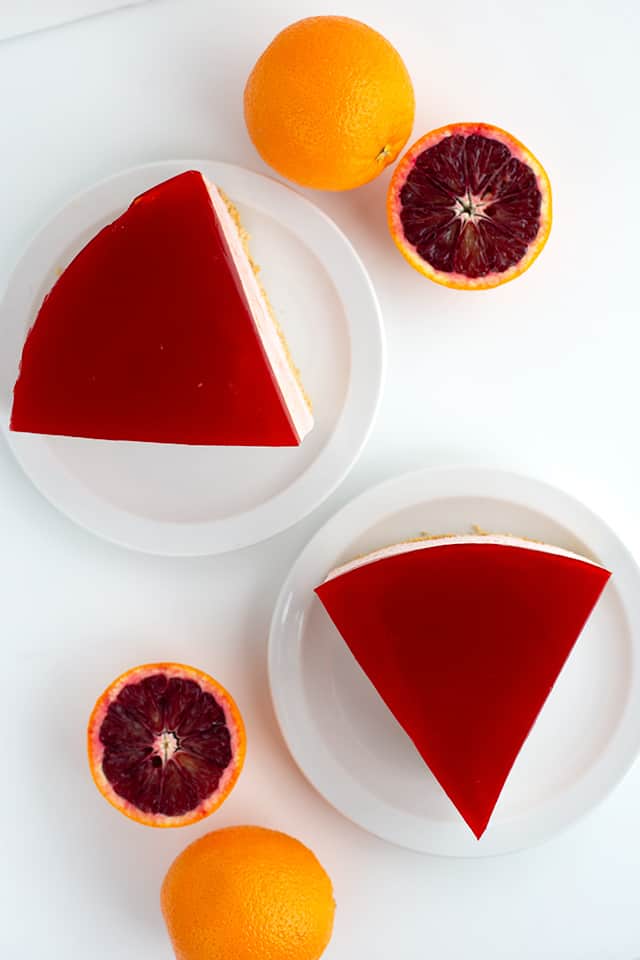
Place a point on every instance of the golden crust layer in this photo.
(244, 237)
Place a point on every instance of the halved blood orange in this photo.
(469, 206)
(166, 744)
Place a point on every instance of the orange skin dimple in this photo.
(458, 281)
(235, 725)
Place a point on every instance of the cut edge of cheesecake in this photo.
(423, 543)
(274, 344)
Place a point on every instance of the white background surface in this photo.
(540, 375)
(24, 16)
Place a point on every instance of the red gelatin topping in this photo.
(147, 335)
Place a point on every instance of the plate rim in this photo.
(237, 530)
(355, 517)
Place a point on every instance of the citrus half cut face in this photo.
(166, 744)
(469, 206)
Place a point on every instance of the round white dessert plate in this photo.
(180, 500)
(350, 746)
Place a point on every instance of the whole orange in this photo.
(329, 104)
(246, 893)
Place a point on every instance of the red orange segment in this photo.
(166, 744)
(469, 206)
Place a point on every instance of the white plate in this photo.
(350, 746)
(179, 500)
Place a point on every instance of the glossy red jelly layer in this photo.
(464, 643)
(147, 335)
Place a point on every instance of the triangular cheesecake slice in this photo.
(159, 330)
(463, 638)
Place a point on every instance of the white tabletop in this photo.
(540, 375)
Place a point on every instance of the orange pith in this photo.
(247, 893)
(329, 104)
(456, 279)
(233, 722)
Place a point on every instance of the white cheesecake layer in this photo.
(482, 539)
(290, 388)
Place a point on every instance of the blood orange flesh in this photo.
(469, 206)
(166, 744)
